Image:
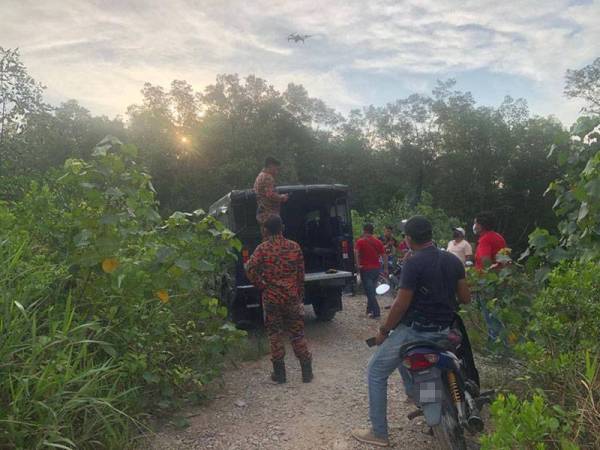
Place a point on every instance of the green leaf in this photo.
(151, 377)
(183, 264)
(181, 422)
(205, 266)
(583, 212)
(593, 187)
(82, 238)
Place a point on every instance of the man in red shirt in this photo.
(368, 251)
(488, 246)
(489, 243)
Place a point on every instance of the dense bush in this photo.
(559, 329)
(401, 209)
(108, 312)
(523, 424)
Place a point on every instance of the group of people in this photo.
(432, 285)
(374, 256)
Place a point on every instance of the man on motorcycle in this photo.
(423, 309)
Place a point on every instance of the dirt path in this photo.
(253, 413)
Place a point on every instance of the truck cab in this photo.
(318, 218)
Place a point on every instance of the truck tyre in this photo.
(324, 311)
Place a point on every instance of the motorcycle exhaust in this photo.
(474, 421)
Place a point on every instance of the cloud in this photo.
(102, 51)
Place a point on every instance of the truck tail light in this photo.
(345, 253)
(245, 255)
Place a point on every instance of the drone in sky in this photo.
(298, 37)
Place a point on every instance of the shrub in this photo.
(109, 312)
(524, 424)
(401, 209)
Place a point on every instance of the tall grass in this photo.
(54, 391)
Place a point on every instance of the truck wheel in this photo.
(324, 311)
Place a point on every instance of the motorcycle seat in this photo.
(442, 346)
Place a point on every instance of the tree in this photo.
(584, 83)
(20, 95)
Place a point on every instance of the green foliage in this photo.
(578, 196)
(509, 293)
(528, 425)
(399, 210)
(109, 311)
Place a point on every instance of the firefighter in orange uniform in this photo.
(277, 268)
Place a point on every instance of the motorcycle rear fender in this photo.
(431, 404)
(432, 413)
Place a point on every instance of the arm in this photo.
(469, 252)
(357, 257)
(485, 252)
(401, 304)
(385, 264)
(463, 292)
(269, 190)
(300, 275)
(253, 269)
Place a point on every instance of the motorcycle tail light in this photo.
(245, 255)
(419, 361)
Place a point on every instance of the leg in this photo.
(294, 322)
(382, 364)
(274, 326)
(494, 326)
(369, 282)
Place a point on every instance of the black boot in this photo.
(278, 374)
(307, 373)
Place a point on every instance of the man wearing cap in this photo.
(268, 201)
(424, 309)
(459, 246)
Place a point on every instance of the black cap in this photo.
(419, 229)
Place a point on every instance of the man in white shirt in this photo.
(459, 246)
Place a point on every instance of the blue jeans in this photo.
(386, 359)
(369, 279)
(494, 326)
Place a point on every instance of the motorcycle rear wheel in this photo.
(448, 433)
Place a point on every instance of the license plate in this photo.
(428, 386)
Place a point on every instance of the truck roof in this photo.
(249, 193)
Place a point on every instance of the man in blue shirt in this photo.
(423, 310)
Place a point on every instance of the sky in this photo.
(360, 53)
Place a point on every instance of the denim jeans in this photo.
(369, 279)
(386, 359)
(494, 326)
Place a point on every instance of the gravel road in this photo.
(251, 412)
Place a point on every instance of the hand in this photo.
(284, 198)
(380, 338)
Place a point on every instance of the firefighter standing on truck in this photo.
(277, 268)
(267, 199)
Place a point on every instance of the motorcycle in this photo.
(446, 387)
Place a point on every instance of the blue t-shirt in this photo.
(432, 275)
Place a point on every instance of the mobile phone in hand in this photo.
(371, 342)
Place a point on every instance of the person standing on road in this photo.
(390, 243)
(459, 246)
(424, 309)
(489, 242)
(268, 201)
(368, 251)
(277, 268)
(488, 246)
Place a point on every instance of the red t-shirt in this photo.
(370, 249)
(489, 244)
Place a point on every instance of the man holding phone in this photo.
(424, 309)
